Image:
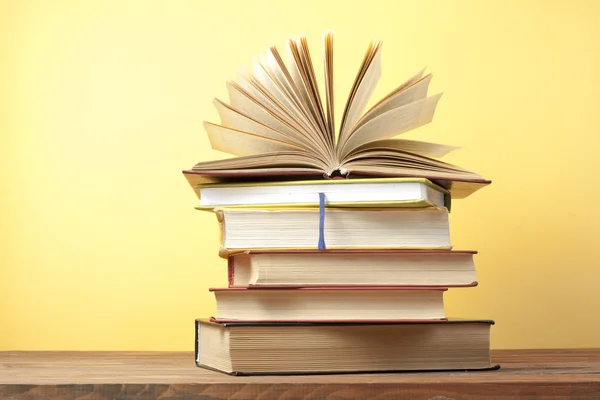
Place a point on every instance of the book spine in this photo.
(230, 270)
(197, 342)
(223, 252)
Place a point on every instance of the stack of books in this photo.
(337, 245)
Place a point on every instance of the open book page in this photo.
(299, 81)
(364, 85)
(402, 158)
(311, 84)
(328, 61)
(392, 123)
(243, 102)
(265, 161)
(409, 82)
(408, 169)
(248, 84)
(231, 118)
(272, 90)
(272, 87)
(426, 149)
(298, 94)
(273, 63)
(302, 72)
(262, 95)
(241, 143)
(406, 94)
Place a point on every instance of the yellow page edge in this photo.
(227, 252)
(326, 182)
(422, 203)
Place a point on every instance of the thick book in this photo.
(376, 192)
(244, 229)
(295, 348)
(309, 268)
(353, 303)
(278, 125)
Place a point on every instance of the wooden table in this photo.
(533, 374)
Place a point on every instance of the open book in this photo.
(280, 128)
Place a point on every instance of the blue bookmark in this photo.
(322, 221)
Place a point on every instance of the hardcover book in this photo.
(320, 268)
(278, 126)
(354, 303)
(341, 228)
(303, 348)
(350, 193)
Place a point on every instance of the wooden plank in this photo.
(525, 374)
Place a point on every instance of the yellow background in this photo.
(102, 107)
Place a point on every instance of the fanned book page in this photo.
(281, 127)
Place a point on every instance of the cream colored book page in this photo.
(231, 118)
(300, 94)
(312, 85)
(251, 96)
(328, 70)
(258, 91)
(245, 103)
(274, 63)
(426, 149)
(300, 74)
(391, 156)
(280, 73)
(271, 87)
(393, 163)
(363, 87)
(241, 143)
(409, 82)
(407, 170)
(281, 162)
(299, 80)
(393, 122)
(297, 91)
(412, 91)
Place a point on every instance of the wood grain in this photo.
(525, 374)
